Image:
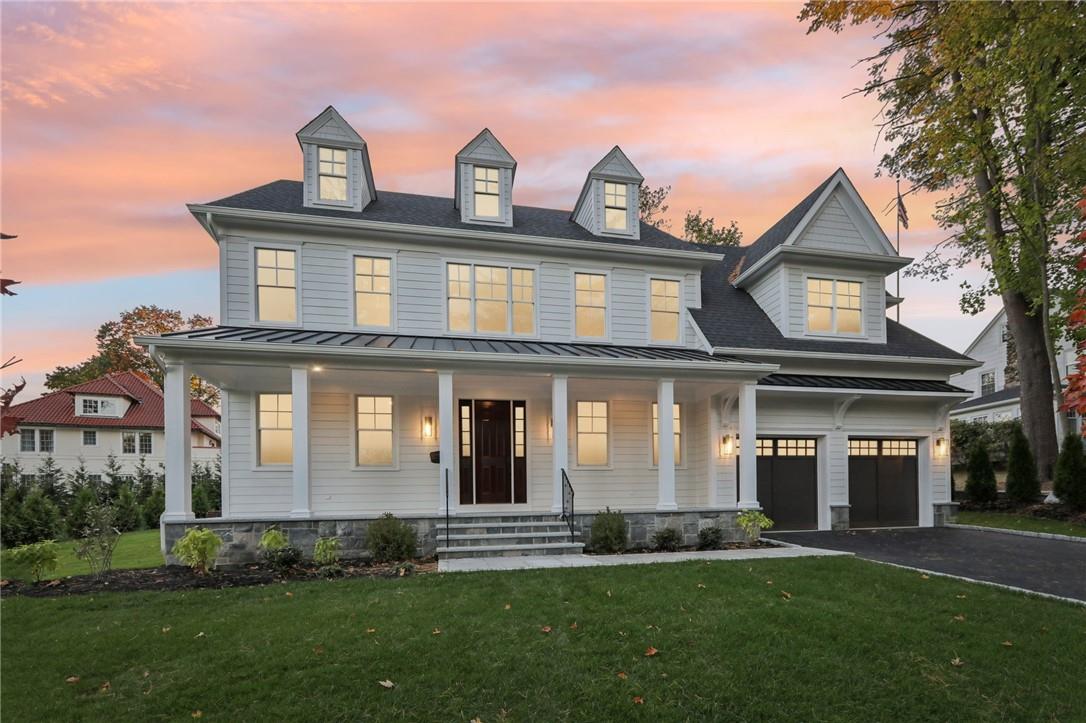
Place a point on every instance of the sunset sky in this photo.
(116, 115)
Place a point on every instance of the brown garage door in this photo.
(788, 482)
(882, 483)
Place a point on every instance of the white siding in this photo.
(252, 490)
(767, 293)
(236, 277)
(874, 300)
(833, 229)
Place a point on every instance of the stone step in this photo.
(553, 548)
(499, 518)
(533, 538)
(502, 528)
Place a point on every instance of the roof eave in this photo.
(764, 264)
(845, 356)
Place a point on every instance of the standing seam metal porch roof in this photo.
(820, 381)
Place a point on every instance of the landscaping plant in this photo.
(277, 551)
(390, 539)
(98, 540)
(39, 517)
(326, 551)
(11, 516)
(710, 538)
(667, 540)
(980, 484)
(752, 522)
(197, 549)
(1069, 480)
(153, 506)
(79, 512)
(608, 532)
(126, 511)
(1023, 485)
(38, 557)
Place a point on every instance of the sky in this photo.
(116, 115)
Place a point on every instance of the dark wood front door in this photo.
(493, 456)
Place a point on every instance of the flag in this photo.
(902, 214)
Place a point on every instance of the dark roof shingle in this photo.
(1007, 394)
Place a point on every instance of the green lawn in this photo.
(852, 641)
(134, 549)
(1011, 521)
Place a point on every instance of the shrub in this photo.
(273, 539)
(980, 483)
(667, 540)
(608, 532)
(154, 506)
(126, 511)
(11, 516)
(201, 503)
(710, 538)
(276, 550)
(79, 512)
(390, 539)
(98, 540)
(40, 518)
(38, 557)
(326, 551)
(753, 522)
(1069, 480)
(50, 479)
(197, 549)
(1023, 485)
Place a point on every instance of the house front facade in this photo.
(464, 359)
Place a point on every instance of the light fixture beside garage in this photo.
(428, 427)
(727, 446)
(941, 447)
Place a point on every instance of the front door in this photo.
(493, 456)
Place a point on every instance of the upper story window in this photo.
(374, 417)
(834, 306)
(677, 431)
(276, 285)
(372, 291)
(590, 305)
(275, 435)
(491, 299)
(487, 192)
(333, 174)
(664, 310)
(90, 438)
(614, 206)
(987, 383)
(90, 406)
(131, 442)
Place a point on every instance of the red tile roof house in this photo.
(121, 413)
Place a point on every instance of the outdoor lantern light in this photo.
(940, 447)
(727, 445)
(318, 368)
(550, 429)
(428, 427)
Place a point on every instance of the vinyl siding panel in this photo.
(767, 293)
(833, 229)
(237, 277)
(253, 491)
(874, 300)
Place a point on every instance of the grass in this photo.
(1012, 521)
(854, 641)
(134, 550)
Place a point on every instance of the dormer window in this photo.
(614, 206)
(487, 192)
(333, 174)
(90, 406)
(834, 306)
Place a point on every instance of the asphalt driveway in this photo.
(1055, 567)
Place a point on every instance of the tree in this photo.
(1074, 397)
(79, 479)
(653, 208)
(704, 231)
(50, 480)
(126, 511)
(154, 506)
(11, 517)
(117, 352)
(39, 517)
(985, 103)
(143, 479)
(980, 481)
(79, 513)
(1023, 485)
(1069, 482)
(116, 479)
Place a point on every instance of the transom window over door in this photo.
(373, 291)
(491, 299)
(590, 300)
(375, 445)
(333, 174)
(487, 192)
(275, 436)
(677, 421)
(592, 434)
(614, 206)
(276, 285)
(834, 306)
(664, 310)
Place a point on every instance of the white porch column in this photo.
(712, 465)
(559, 436)
(665, 454)
(748, 436)
(446, 428)
(178, 411)
(299, 399)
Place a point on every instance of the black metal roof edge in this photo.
(823, 381)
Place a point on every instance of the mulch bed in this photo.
(1042, 511)
(691, 548)
(174, 578)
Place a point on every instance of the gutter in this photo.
(834, 356)
(891, 262)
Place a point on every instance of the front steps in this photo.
(505, 536)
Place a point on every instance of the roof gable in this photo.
(616, 165)
(330, 127)
(487, 148)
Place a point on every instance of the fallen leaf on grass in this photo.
(200, 634)
(638, 700)
(318, 650)
(650, 651)
(925, 577)
(436, 631)
(959, 618)
(386, 684)
(957, 662)
(476, 720)
(573, 626)
(768, 582)
(546, 628)
(1007, 643)
(508, 606)
(786, 595)
(960, 597)
(371, 631)
(197, 714)
(701, 586)
(289, 594)
(72, 679)
(608, 593)
(166, 629)
(622, 675)
(105, 687)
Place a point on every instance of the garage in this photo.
(788, 482)
(882, 483)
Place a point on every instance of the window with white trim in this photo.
(90, 406)
(590, 305)
(677, 431)
(592, 447)
(28, 440)
(834, 306)
(615, 206)
(987, 383)
(275, 432)
(45, 440)
(332, 174)
(128, 442)
(276, 285)
(146, 446)
(487, 192)
(90, 438)
(664, 310)
(374, 431)
(490, 299)
(373, 291)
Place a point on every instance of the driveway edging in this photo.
(1024, 533)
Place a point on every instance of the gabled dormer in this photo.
(608, 204)
(484, 181)
(820, 271)
(337, 171)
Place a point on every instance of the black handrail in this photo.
(446, 509)
(567, 504)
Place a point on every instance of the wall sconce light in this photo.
(727, 445)
(428, 427)
(941, 447)
(318, 368)
(550, 429)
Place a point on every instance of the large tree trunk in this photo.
(1038, 419)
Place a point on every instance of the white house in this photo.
(471, 357)
(119, 414)
(994, 396)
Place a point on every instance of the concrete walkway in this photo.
(475, 564)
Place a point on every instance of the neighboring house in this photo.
(994, 384)
(119, 414)
(393, 352)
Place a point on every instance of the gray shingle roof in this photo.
(1007, 394)
(778, 232)
(730, 317)
(438, 211)
(819, 381)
